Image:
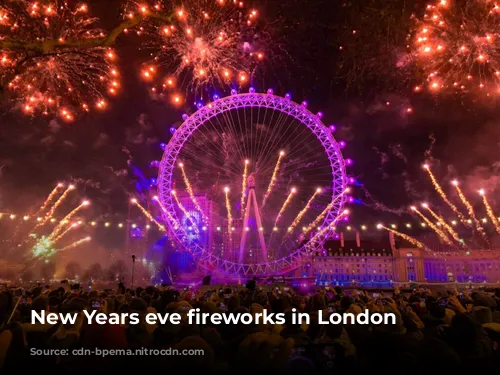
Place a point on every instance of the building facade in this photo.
(387, 261)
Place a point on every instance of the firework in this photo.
(75, 244)
(184, 211)
(410, 239)
(285, 205)
(304, 210)
(44, 248)
(67, 218)
(434, 227)
(315, 223)
(147, 214)
(490, 212)
(470, 209)
(332, 225)
(273, 179)
(205, 43)
(443, 195)
(458, 45)
(189, 189)
(53, 58)
(54, 207)
(64, 233)
(164, 210)
(49, 199)
(244, 185)
(228, 208)
(440, 220)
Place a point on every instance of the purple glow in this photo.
(216, 97)
(332, 128)
(350, 199)
(233, 92)
(251, 90)
(345, 218)
(163, 146)
(351, 180)
(336, 236)
(270, 92)
(172, 130)
(154, 164)
(319, 114)
(153, 181)
(304, 104)
(185, 116)
(199, 105)
(348, 161)
(288, 96)
(342, 144)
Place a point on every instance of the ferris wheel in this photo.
(252, 182)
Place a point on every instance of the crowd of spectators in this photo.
(446, 330)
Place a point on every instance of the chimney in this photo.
(342, 239)
(358, 240)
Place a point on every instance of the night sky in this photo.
(359, 87)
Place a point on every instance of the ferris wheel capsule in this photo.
(233, 92)
(251, 90)
(270, 91)
(304, 104)
(332, 128)
(199, 105)
(185, 116)
(288, 96)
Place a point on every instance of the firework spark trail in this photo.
(185, 212)
(205, 43)
(55, 205)
(75, 244)
(64, 233)
(229, 215)
(172, 219)
(456, 46)
(148, 215)
(273, 179)
(443, 195)
(66, 219)
(304, 210)
(285, 205)
(410, 239)
(244, 185)
(49, 199)
(331, 226)
(470, 210)
(190, 191)
(438, 231)
(490, 212)
(450, 230)
(323, 214)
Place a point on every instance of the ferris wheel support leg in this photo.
(252, 201)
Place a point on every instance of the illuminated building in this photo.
(383, 262)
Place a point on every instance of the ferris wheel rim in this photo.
(235, 101)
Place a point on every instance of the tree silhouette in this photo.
(72, 270)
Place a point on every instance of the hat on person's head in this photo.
(482, 314)
(138, 304)
(75, 304)
(40, 304)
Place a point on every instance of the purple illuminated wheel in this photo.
(250, 183)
